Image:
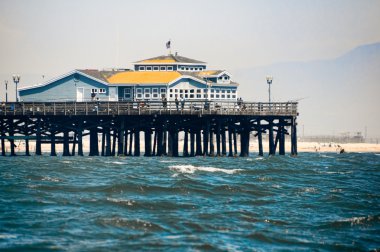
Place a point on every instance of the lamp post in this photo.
(16, 80)
(6, 90)
(269, 81)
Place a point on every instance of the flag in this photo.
(168, 44)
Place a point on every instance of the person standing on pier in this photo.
(164, 102)
(182, 103)
(93, 96)
(176, 102)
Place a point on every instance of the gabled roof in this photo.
(172, 59)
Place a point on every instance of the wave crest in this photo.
(189, 169)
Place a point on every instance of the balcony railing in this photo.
(148, 108)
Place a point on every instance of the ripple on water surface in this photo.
(313, 201)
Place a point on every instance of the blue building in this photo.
(168, 76)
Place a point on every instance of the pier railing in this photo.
(148, 108)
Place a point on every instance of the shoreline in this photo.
(303, 147)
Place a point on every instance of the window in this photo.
(186, 96)
(212, 90)
(139, 96)
(234, 91)
(146, 95)
(228, 91)
(181, 91)
(192, 91)
(228, 96)
(154, 90)
(226, 77)
(146, 90)
(205, 96)
(212, 95)
(186, 91)
(205, 90)
(102, 90)
(192, 69)
(163, 68)
(171, 90)
(94, 90)
(176, 90)
(234, 96)
(139, 90)
(199, 91)
(183, 68)
(171, 96)
(199, 96)
(191, 95)
(163, 90)
(187, 69)
(223, 96)
(223, 91)
(220, 78)
(155, 95)
(141, 68)
(217, 96)
(127, 93)
(217, 91)
(155, 68)
(170, 68)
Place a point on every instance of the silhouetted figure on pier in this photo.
(176, 102)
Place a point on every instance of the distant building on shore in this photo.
(151, 79)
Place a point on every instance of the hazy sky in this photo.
(53, 37)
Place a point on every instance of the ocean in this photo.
(316, 201)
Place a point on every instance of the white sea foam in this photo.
(191, 169)
(117, 162)
(359, 220)
(47, 178)
(122, 201)
(8, 236)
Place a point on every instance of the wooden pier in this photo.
(207, 128)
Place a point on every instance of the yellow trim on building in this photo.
(206, 73)
(143, 77)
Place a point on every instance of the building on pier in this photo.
(151, 79)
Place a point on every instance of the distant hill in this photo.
(341, 95)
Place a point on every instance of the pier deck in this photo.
(206, 127)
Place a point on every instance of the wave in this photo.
(190, 169)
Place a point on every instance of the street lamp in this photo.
(6, 90)
(16, 80)
(269, 81)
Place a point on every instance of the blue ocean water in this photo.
(328, 202)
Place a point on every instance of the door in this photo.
(113, 93)
(80, 94)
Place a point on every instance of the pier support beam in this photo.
(224, 147)
(230, 150)
(198, 151)
(11, 134)
(212, 146)
(186, 143)
(2, 138)
(272, 150)
(108, 142)
(66, 147)
(148, 142)
(94, 147)
(281, 138)
(260, 137)
(294, 137)
(160, 147)
(52, 142)
(137, 143)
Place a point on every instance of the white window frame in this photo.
(169, 68)
(163, 90)
(150, 68)
(156, 68)
(163, 68)
(141, 68)
(102, 90)
(139, 91)
(154, 90)
(94, 90)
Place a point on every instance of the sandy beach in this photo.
(302, 147)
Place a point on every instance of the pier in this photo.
(208, 128)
